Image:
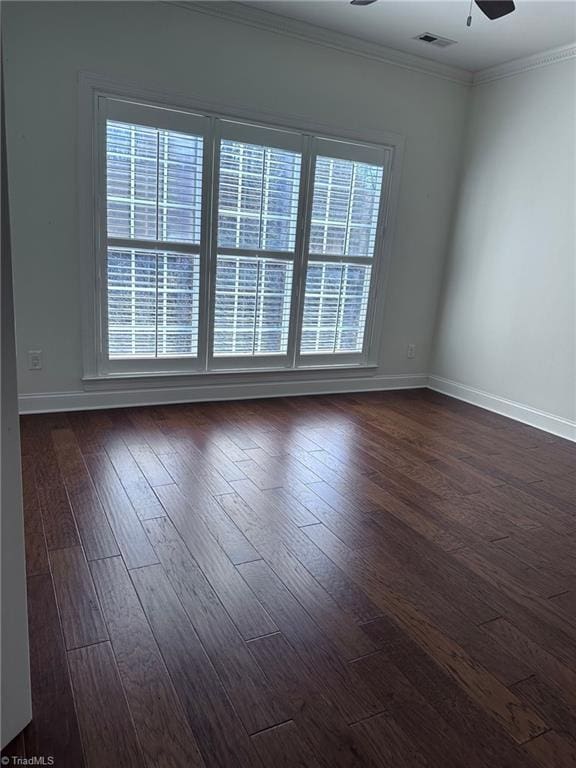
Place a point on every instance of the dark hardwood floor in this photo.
(384, 580)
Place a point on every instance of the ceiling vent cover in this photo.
(439, 42)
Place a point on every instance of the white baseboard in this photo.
(517, 411)
(121, 398)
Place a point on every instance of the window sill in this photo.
(229, 375)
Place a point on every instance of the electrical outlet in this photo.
(35, 360)
(411, 351)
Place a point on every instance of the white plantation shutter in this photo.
(131, 303)
(345, 207)
(258, 199)
(252, 306)
(178, 280)
(154, 183)
(132, 181)
(343, 229)
(229, 245)
(154, 195)
(335, 307)
(152, 304)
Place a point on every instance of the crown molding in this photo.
(272, 22)
(518, 66)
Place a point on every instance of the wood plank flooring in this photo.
(384, 580)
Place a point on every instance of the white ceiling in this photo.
(535, 26)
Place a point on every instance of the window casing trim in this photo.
(91, 158)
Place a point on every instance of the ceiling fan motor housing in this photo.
(495, 9)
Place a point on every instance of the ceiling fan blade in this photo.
(362, 2)
(495, 9)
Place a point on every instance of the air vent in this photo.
(439, 42)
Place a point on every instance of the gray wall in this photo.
(170, 48)
(507, 322)
(15, 700)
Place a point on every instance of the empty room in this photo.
(288, 384)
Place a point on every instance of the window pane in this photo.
(258, 197)
(132, 180)
(154, 183)
(178, 297)
(335, 307)
(345, 207)
(152, 304)
(252, 310)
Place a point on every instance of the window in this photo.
(343, 230)
(226, 246)
(258, 201)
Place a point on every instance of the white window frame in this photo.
(345, 150)
(155, 117)
(283, 139)
(97, 93)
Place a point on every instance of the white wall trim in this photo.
(272, 22)
(518, 66)
(93, 399)
(121, 398)
(548, 422)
